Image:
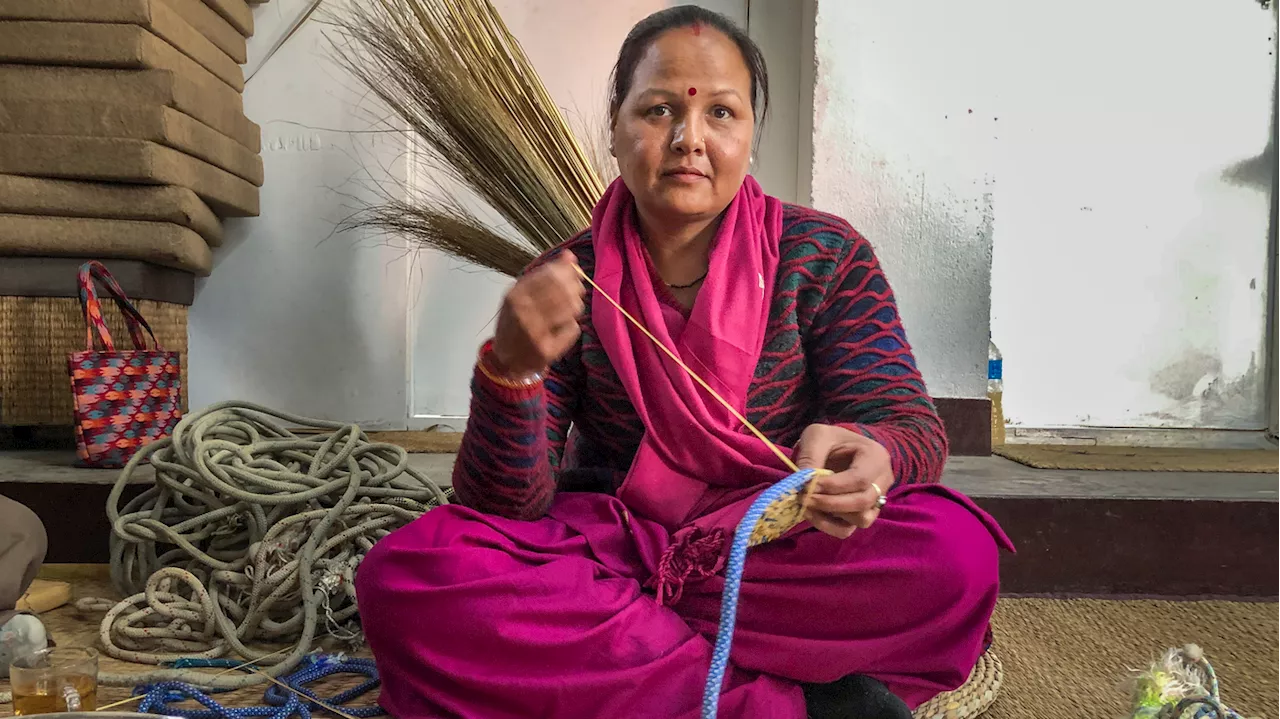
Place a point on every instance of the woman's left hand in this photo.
(839, 503)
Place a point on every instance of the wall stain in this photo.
(299, 142)
(987, 220)
(1178, 381)
(1254, 173)
(1197, 380)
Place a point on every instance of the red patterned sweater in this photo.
(834, 352)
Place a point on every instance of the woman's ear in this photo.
(613, 128)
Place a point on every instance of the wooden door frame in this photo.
(1272, 361)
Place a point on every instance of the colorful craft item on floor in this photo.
(1181, 685)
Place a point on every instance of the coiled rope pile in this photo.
(251, 535)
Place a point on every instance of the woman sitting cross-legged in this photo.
(580, 573)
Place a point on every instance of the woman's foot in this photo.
(853, 697)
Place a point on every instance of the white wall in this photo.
(897, 154)
(293, 317)
(1091, 145)
(1132, 208)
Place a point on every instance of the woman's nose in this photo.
(687, 137)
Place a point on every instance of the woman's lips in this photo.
(687, 176)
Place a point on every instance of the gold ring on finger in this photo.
(881, 499)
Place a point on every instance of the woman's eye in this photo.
(722, 113)
(660, 111)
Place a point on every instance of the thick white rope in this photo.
(251, 534)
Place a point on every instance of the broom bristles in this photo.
(459, 80)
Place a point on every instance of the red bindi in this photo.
(693, 91)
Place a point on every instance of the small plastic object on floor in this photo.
(21, 634)
(280, 703)
(1182, 685)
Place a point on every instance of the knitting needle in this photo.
(224, 671)
(736, 414)
(122, 702)
(304, 697)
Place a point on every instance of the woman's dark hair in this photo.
(648, 30)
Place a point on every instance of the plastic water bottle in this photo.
(995, 391)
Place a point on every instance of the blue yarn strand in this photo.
(160, 696)
(276, 695)
(733, 583)
(280, 703)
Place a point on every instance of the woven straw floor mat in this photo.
(1065, 659)
(1141, 459)
(421, 441)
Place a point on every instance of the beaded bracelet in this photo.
(491, 373)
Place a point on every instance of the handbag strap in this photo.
(94, 270)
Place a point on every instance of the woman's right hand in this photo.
(538, 322)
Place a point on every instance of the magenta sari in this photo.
(608, 606)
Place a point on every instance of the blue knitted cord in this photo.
(281, 704)
(276, 695)
(159, 698)
(1199, 708)
(733, 583)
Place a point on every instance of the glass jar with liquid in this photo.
(61, 679)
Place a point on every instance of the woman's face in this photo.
(682, 135)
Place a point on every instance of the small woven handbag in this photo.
(124, 399)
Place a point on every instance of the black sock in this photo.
(853, 696)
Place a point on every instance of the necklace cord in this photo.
(691, 284)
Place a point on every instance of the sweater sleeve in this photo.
(514, 441)
(866, 374)
(510, 459)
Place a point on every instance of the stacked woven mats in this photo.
(123, 138)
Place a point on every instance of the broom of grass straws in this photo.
(453, 72)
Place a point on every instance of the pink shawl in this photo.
(696, 463)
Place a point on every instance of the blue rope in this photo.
(318, 670)
(733, 583)
(280, 703)
(160, 696)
